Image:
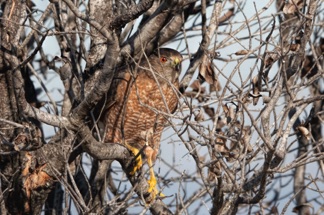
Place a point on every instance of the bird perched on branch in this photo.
(139, 104)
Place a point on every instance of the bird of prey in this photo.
(139, 103)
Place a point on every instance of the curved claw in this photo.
(138, 159)
(152, 181)
(137, 166)
(153, 190)
(152, 184)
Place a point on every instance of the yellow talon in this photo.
(138, 159)
(152, 181)
(152, 188)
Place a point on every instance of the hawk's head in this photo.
(166, 63)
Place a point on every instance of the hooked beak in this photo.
(176, 63)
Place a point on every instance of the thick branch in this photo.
(132, 13)
(152, 27)
(102, 86)
(195, 62)
(87, 19)
(120, 153)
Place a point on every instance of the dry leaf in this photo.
(21, 142)
(304, 131)
(294, 47)
(195, 86)
(310, 68)
(266, 99)
(232, 111)
(199, 116)
(209, 111)
(221, 122)
(246, 134)
(220, 142)
(271, 58)
(242, 52)
(197, 91)
(292, 6)
(214, 171)
(255, 90)
(225, 108)
(299, 208)
(207, 73)
(274, 210)
(246, 98)
(38, 104)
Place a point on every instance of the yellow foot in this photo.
(152, 187)
(156, 192)
(138, 159)
(152, 184)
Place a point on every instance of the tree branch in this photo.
(131, 14)
(104, 151)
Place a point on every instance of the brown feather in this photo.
(139, 97)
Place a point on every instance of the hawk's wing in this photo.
(110, 99)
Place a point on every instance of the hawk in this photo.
(139, 104)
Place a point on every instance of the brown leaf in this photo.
(38, 104)
(214, 171)
(274, 210)
(225, 108)
(299, 208)
(246, 134)
(255, 90)
(199, 116)
(34, 180)
(207, 73)
(294, 47)
(246, 98)
(209, 111)
(30, 4)
(310, 68)
(230, 112)
(21, 138)
(195, 85)
(242, 52)
(216, 87)
(239, 147)
(304, 132)
(220, 124)
(271, 58)
(268, 62)
(220, 142)
(292, 6)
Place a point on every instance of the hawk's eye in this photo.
(163, 59)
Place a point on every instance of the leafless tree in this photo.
(249, 118)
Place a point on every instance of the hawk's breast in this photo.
(140, 110)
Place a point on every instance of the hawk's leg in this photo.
(138, 159)
(152, 181)
(150, 156)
